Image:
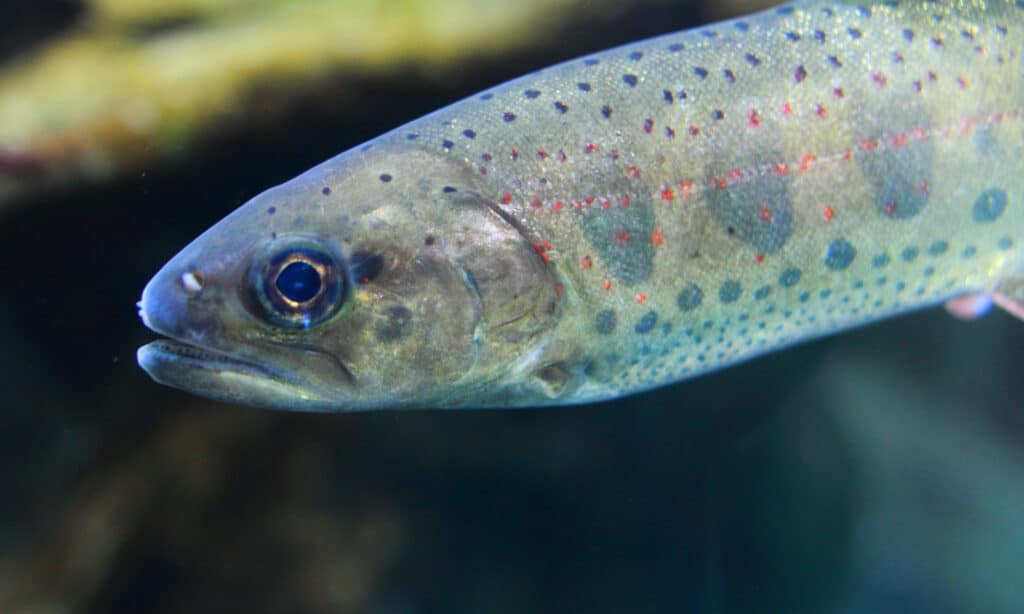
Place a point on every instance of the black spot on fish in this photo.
(447, 144)
(386, 178)
(583, 86)
(839, 254)
(690, 298)
(880, 261)
(819, 36)
(742, 26)
(667, 96)
(591, 62)
(448, 189)
(989, 206)
(700, 72)
(531, 94)
(730, 291)
(629, 79)
(326, 191)
(636, 55)
(646, 323)
(509, 117)
(834, 61)
(675, 47)
(762, 292)
(752, 59)
(793, 36)
(561, 107)
(469, 134)
(271, 210)
(1004, 243)
(604, 322)
(606, 111)
(909, 254)
(855, 34)
(908, 35)
(968, 252)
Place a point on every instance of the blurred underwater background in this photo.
(876, 471)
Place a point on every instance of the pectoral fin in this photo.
(1009, 295)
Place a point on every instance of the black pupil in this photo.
(298, 282)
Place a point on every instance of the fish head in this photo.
(381, 278)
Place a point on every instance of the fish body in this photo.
(624, 220)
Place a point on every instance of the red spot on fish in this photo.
(819, 110)
(586, 263)
(590, 200)
(648, 125)
(828, 213)
(621, 237)
(868, 145)
(781, 169)
(753, 119)
(607, 284)
(694, 130)
(919, 133)
(486, 157)
(535, 202)
(787, 108)
(624, 201)
(962, 82)
(838, 93)
(506, 198)
(667, 194)
(614, 154)
(558, 205)
(735, 174)
(879, 79)
(900, 140)
(766, 213)
(633, 171)
(718, 183)
(759, 258)
(559, 288)
(686, 186)
(890, 207)
(561, 156)
(800, 74)
(546, 244)
(542, 154)
(848, 155)
(605, 204)
(641, 298)
(589, 147)
(669, 132)
(657, 238)
(922, 187)
(515, 153)
(483, 171)
(806, 161)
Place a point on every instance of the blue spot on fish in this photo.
(839, 254)
(789, 278)
(604, 322)
(989, 206)
(730, 291)
(690, 298)
(646, 323)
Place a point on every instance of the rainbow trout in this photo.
(625, 220)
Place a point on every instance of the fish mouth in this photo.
(223, 376)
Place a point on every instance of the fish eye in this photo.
(299, 285)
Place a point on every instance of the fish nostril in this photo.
(192, 283)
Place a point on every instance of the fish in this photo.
(624, 220)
